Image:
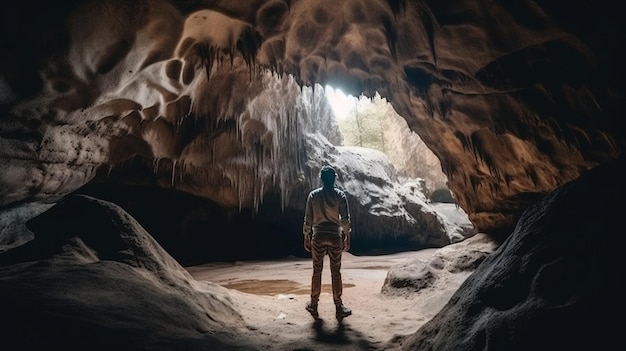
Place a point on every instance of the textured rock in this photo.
(513, 107)
(552, 285)
(93, 278)
(462, 257)
(412, 276)
(515, 99)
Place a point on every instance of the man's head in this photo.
(327, 175)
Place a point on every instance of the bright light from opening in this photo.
(339, 102)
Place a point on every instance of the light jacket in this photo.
(326, 211)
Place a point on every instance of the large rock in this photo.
(94, 279)
(550, 285)
(460, 259)
(388, 214)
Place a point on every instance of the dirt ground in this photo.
(271, 296)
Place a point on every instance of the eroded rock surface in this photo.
(515, 100)
(459, 258)
(554, 284)
(94, 279)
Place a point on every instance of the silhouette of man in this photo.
(326, 231)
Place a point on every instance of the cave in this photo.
(207, 123)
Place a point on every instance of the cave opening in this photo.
(373, 123)
(195, 229)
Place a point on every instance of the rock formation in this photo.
(515, 100)
(553, 284)
(93, 261)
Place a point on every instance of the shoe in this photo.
(343, 311)
(311, 307)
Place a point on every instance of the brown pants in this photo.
(321, 245)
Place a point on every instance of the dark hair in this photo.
(328, 174)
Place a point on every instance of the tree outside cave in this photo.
(373, 123)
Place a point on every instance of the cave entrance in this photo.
(373, 123)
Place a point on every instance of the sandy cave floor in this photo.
(271, 296)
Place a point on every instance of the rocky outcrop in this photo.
(460, 258)
(552, 285)
(72, 286)
(512, 107)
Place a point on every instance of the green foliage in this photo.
(374, 124)
(365, 123)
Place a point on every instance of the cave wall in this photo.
(514, 98)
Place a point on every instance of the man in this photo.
(326, 231)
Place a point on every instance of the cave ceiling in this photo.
(515, 98)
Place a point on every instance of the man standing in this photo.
(326, 231)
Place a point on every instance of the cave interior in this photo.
(206, 121)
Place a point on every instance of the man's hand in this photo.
(346, 243)
(307, 243)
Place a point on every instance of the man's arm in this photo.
(346, 223)
(306, 226)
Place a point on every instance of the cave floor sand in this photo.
(271, 296)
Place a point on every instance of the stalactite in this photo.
(610, 142)
(463, 139)
(479, 145)
(156, 165)
(494, 188)
(248, 45)
(207, 54)
(174, 162)
(531, 174)
(507, 179)
(449, 168)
